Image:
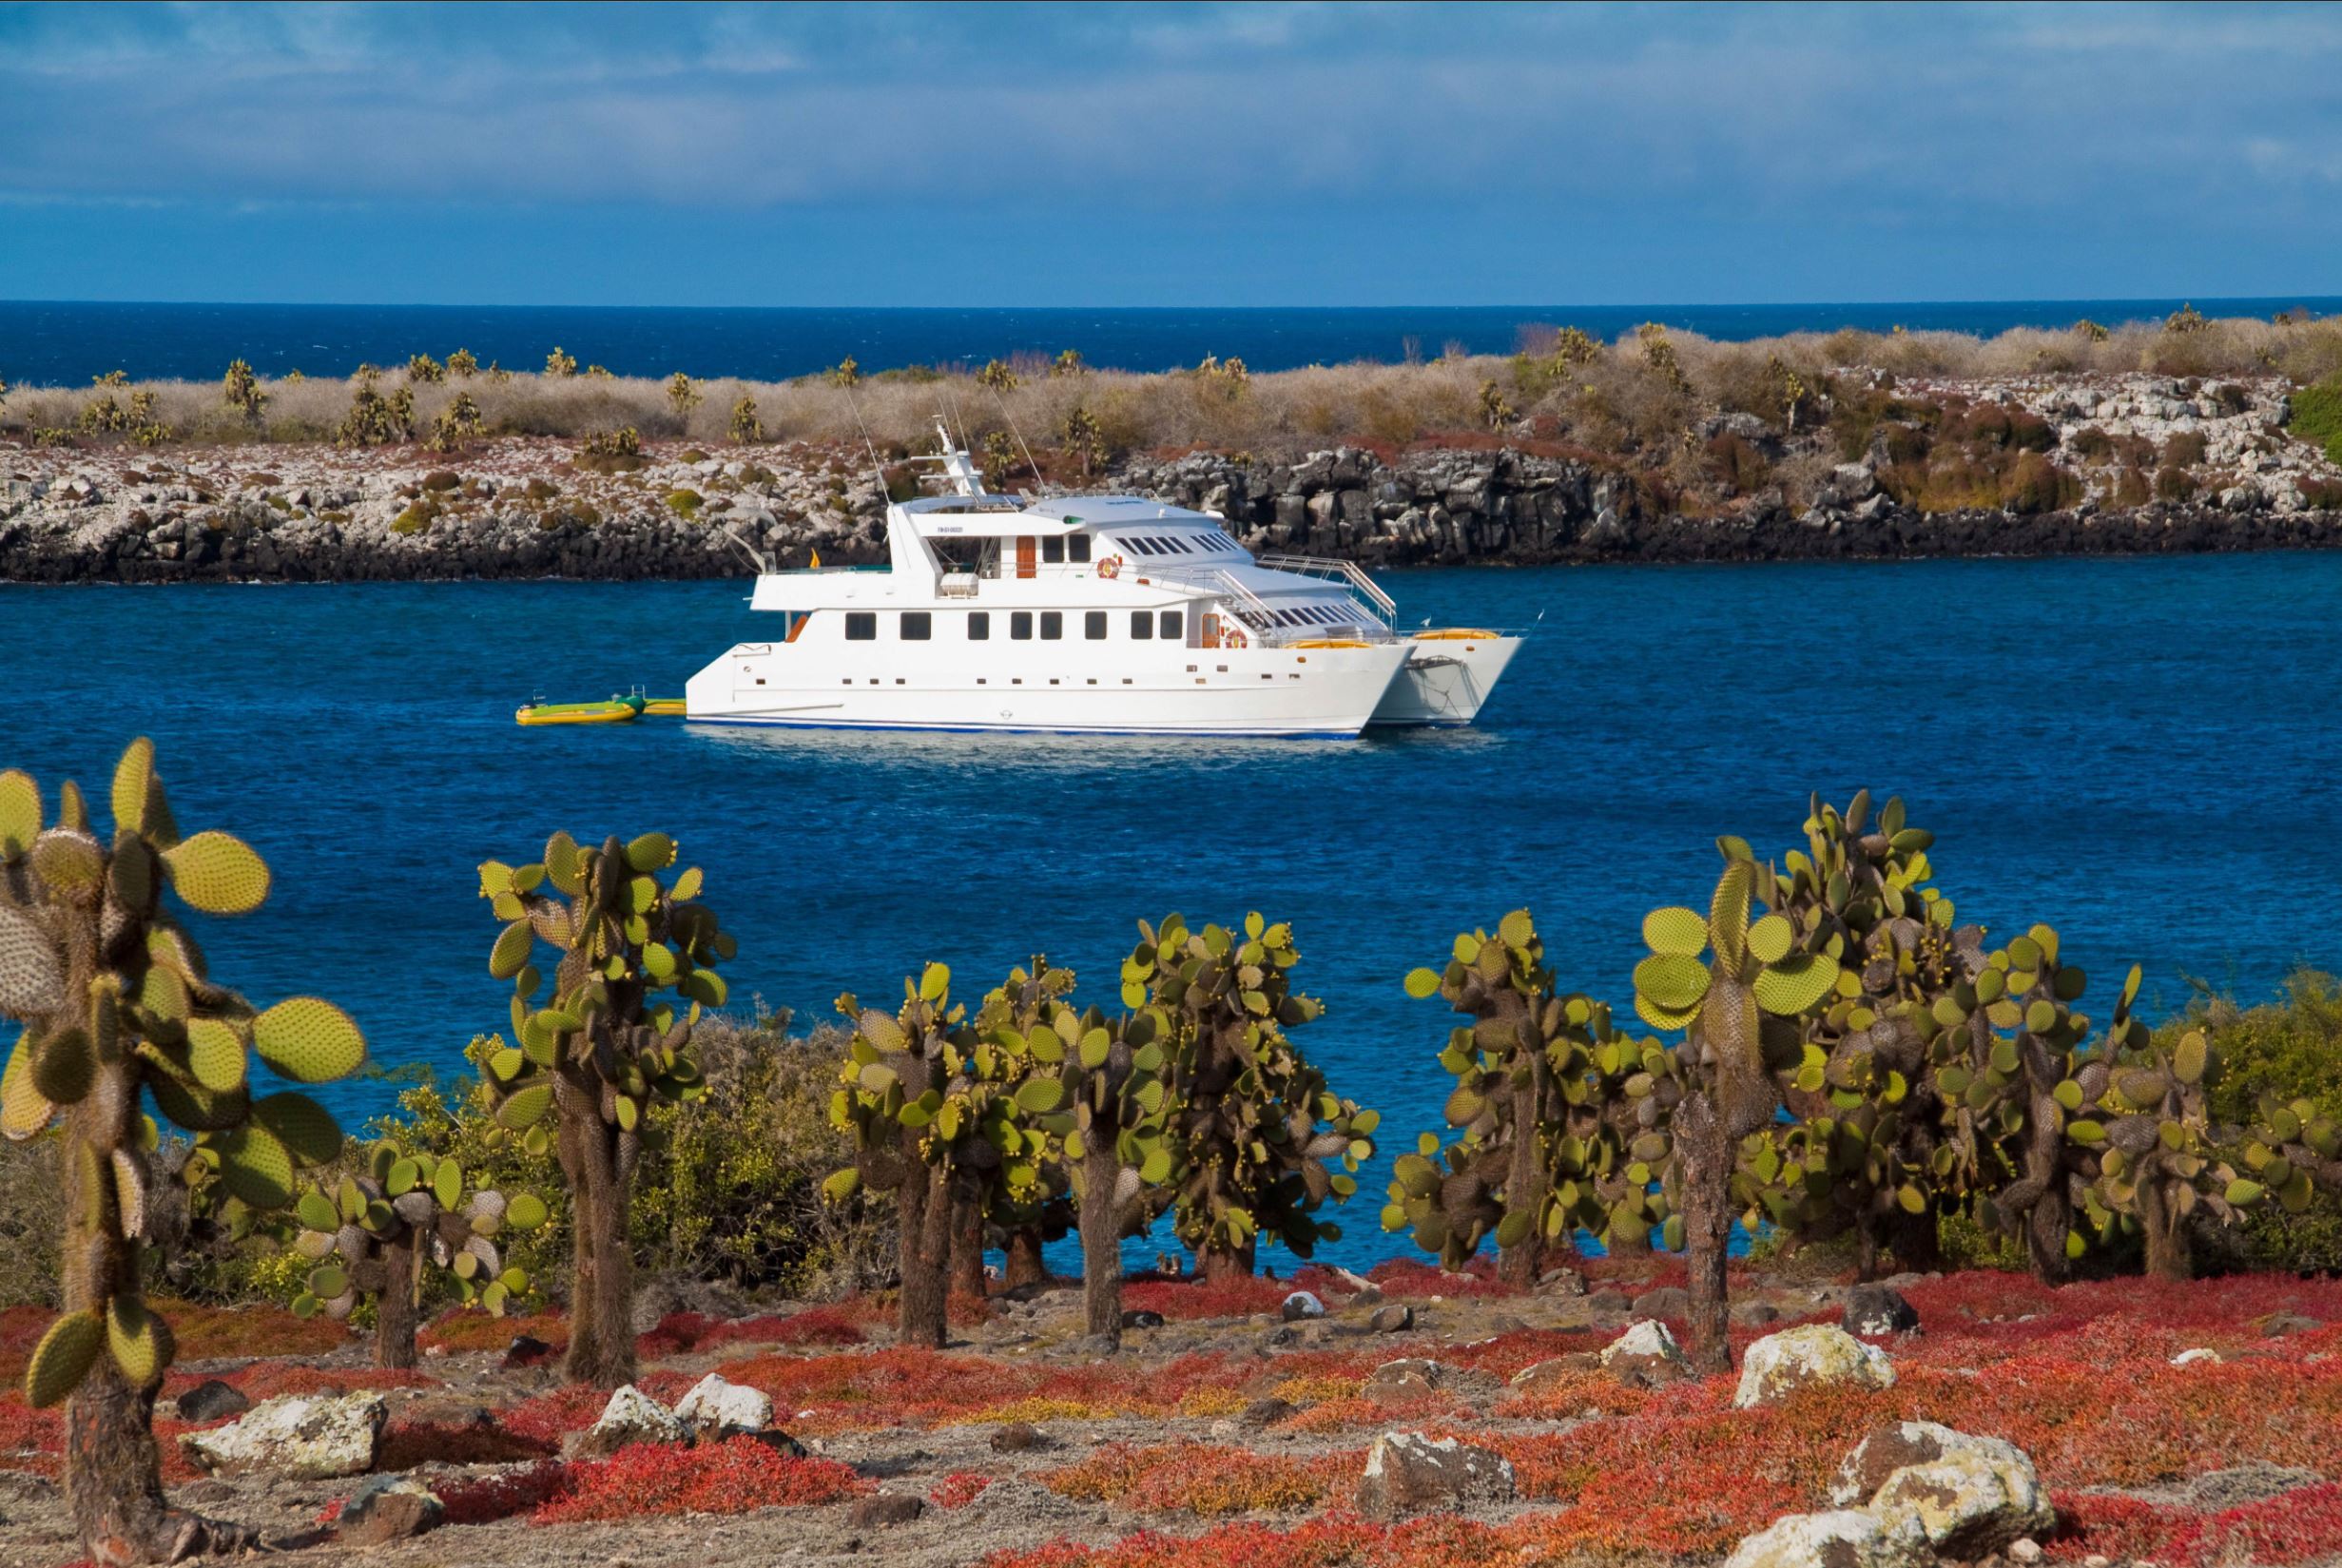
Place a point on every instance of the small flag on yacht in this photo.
(817, 558)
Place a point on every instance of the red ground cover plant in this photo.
(202, 1332)
(458, 1331)
(1194, 1478)
(484, 1499)
(737, 1477)
(958, 1489)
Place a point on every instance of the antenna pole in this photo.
(878, 470)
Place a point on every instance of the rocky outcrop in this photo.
(1845, 1537)
(631, 1417)
(1408, 1474)
(1971, 1496)
(1645, 1356)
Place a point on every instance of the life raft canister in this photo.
(1111, 567)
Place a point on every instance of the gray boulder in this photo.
(1408, 1473)
(301, 1437)
(1845, 1537)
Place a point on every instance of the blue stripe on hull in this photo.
(1034, 729)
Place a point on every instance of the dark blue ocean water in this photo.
(66, 344)
(2141, 752)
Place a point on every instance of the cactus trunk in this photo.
(1706, 1154)
(925, 1248)
(1524, 1179)
(1915, 1241)
(967, 1264)
(395, 1310)
(594, 1159)
(2165, 1228)
(1024, 1257)
(1223, 1261)
(113, 1475)
(1101, 1245)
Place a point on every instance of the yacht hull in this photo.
(1444, 682)
(1316, 694)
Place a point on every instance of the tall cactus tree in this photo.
(609, 1045)
(1119, 1148)
(2149, 1137)
(1253, 1126)
(1738, 1011)
(1564, 1120)
(941, 1113)
(372, 1236)
(117, 1005)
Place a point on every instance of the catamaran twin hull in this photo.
(1238, 692)
(1088, 614)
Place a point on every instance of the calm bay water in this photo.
(68, 342)
(2140, 752)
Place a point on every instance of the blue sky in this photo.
(1230, 155)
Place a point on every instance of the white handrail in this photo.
(1327, 566)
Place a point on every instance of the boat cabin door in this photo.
(1027, 555)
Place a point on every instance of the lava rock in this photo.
(1018, 1437)
(1874, 1310)
(1395, 1318)
(389, 1508)
(1142, 1320)
(1668, 1301)
(1645, 1356)
(1408, 1379)
(301, 1437)
(881, 1509)
(212, 1401)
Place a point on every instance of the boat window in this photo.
(1020, 626)
(861, 625)
(1142, 625)
(1094, 625)
(1052, 549)
(1077, 549)
(979, 626)
(1052, 625)
(1167, 626)
(917, 626)
(1177, 544)
(1140, 545)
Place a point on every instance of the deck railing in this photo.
(1347, 571)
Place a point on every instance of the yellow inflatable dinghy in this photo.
(613, 712)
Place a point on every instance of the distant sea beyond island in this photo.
(54, 343)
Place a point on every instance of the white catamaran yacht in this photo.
(1096, 614)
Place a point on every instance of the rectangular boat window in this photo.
(1177, 544)
(979, 626)
(1052, 626)
(1140, 545)
(861, 625)
(1020, 626)
(1142, 625)
(1094, 625)
(917, 626)
(1052, 549)
(1077, 549)
(1167, 626)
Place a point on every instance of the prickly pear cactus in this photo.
(636, 959)
(1258, 1139)
(1864, 1151)
(368, 1234)
(118, 1005)
(2148, 1135)
(2295, 1148)
(1740, 1012)
(1563, 1121)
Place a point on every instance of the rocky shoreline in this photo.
(534, 507)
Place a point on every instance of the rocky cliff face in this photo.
(2227, 476)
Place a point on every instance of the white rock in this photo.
(1408, 1473)
(1647, 1351)
(631, 1416)
(1971, 1495)
(1303, 1303)
(1816, 1355)
(2198, 1355)
(1847, 1538)
(717, 1408)
(300, 1437)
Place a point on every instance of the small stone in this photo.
(1610, 1299)
(631, 1417)
(525, 1350)
(1645, 1356)
(1264, 1412)
(1142, 1320)
(2278, 1324)
(297, 1438)
(212, 1401)
(1668, 1301)
(1875, 1309)
(2025, 1549)
(1299, 1305)
(1814, 1356)
(717, 1410)
(1561, 1282)
(389, 1508)
(1393, 1319)
(1017, 1438)
(1408, 1474)
(881, 1509)
(2199, 1356)
(1409, 1379)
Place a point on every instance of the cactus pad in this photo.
(308, 1040)
(255, 1166)
(31, 981)
(20, 814)
(306, 1129)
(218, 874)
(133, 779)
(62, 1358)
(215, 1054)
(139, 1341)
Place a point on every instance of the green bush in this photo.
(2317, 417)
(2291, 1049)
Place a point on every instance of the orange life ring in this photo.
(1111, 567)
